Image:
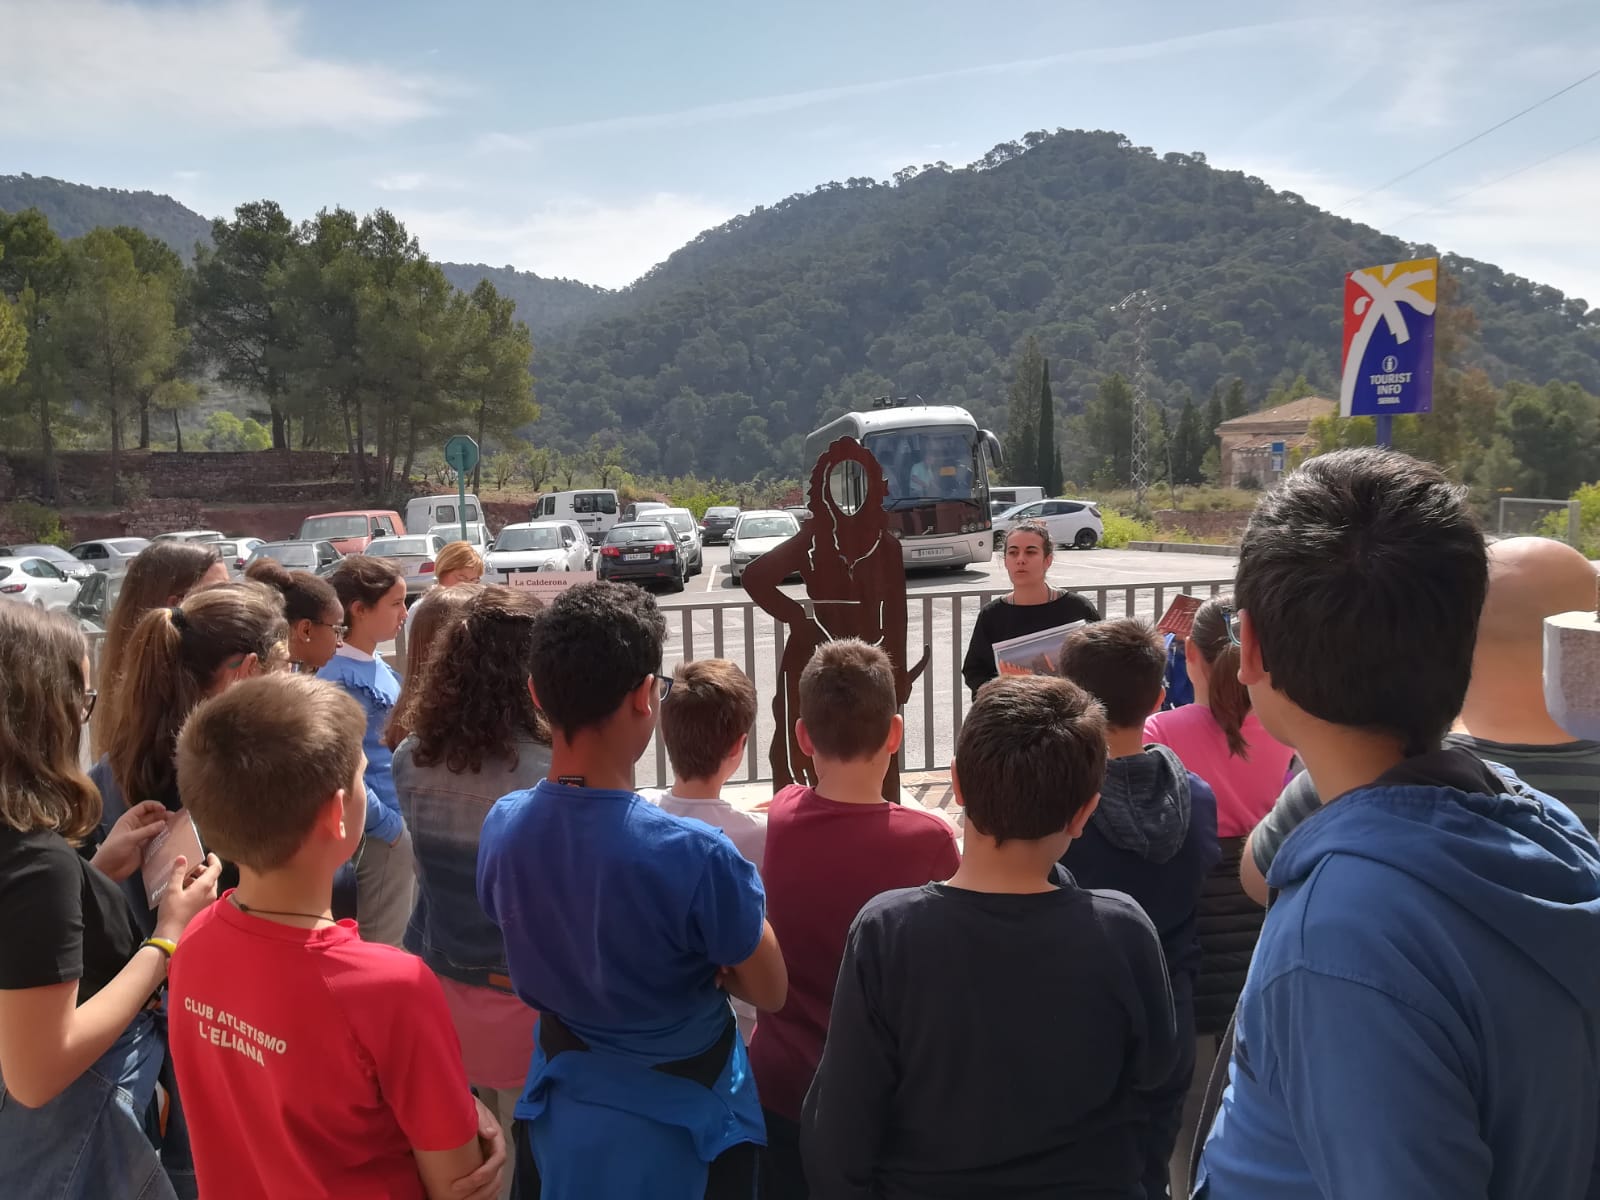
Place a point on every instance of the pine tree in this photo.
(1022, 416)
(1188, 446)
(1214, 415)
(1058, 480)
(1236, 405)
(1045, 442)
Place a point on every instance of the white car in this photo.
(477, 534)
(190, 535)
(755, 534)
(72, 568)
(1073, 524)
(109, 552)
(539, 546)
(37, 581)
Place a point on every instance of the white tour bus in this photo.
(937, 462)
(593, 509)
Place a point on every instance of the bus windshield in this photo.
(928, 466)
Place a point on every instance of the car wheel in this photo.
(677, 582)
(1086, 539)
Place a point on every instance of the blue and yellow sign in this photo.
(1388, 339)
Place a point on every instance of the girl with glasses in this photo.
(312, 608)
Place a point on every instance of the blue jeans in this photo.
(89, 1142)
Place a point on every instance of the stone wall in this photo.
(266, 477)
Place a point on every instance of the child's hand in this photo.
(484, 1183)
(119, 855)
(188, 891)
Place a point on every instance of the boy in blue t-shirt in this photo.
(626, 928)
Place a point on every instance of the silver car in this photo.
(755, 534)
(73, 568)
(539, 546)
(414, 554)
(687, 528)
(317, 557)
(109, 552)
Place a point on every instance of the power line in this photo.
(1499, 179)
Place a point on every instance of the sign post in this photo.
(461, 452)
(1388, 342)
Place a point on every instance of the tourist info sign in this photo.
(1388, 339)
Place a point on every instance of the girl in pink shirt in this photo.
(1218, 737)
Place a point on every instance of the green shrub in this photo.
(35, 523)
(1120, 530)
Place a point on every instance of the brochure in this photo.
(1033, 653)
(161, 851)
(1179, 617)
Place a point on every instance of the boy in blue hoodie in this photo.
(1422, 1016)
(1153, 836)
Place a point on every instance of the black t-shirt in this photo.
(1000, 620)
(991, 1045)
(63, 918)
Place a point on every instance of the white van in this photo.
(1009, 496)
(424, 512)
(594, 510)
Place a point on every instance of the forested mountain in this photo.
(722, 358)
(545, 306)
(76, 208)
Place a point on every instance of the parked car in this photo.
(1072, 523)
(718, 523)
(317, 557)
(97, 597)
(72, 568)
(37, 581)
(350, 531)
(236, 552)
(477, 534)
(539, 546)
(799, 512)
(756, 533)
(414, 554)
(593, 509)
(637, 510)
(424, 512)
(109, 551)
(642, 550)
(190, 535)
(683, 524)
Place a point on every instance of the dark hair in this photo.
(173, 658)
(305, 596)
(363, 579)
(711, 706)
(162, 573)
(847, 699)
(592, 647)
(1036, 527)
(1030, 755)
(1121, 664)
(438, 611)
(1364, 573)
(259, 762)
(42, 697)
(473, 704)
(1226, 697)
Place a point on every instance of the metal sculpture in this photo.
(855, 584)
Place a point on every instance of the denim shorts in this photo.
(89, 1142)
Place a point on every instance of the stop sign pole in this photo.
(461, 452)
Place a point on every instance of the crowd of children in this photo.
(556, 986)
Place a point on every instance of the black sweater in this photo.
(990, 1045)
(1000, 620)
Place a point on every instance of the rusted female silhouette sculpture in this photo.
(855, 587)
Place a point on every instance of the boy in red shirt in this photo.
(830, 849)
(312, 1063)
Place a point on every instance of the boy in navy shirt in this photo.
(626, 928)
(1153, 836)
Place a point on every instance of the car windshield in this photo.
(128, 545)
(639, 533)
(317, 528)
(764, 527)
(722, 513)
(293, 554)
(528, 539)
(926, 464)
(682, 522)
(415, 547)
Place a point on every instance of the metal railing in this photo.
(939, 621)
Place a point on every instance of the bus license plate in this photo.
(636, 558)
(932, 552)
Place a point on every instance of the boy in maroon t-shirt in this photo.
(830, 849)
(311, 1063)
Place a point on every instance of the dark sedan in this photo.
(718, 523)
(641, 551)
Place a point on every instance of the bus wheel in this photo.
(1085, 540)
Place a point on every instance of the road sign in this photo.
(1388, 339)
(461, 452)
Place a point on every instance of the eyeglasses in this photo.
(339, 631)
(1231, 619)
(89, 698)
(664, 682)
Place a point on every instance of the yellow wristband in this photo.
(166, 945)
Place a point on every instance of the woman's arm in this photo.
(978, 667)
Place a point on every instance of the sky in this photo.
(590, 140)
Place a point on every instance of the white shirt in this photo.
(349, 651)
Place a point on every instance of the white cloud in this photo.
(606, 244)
(70, 67)
(416, 181)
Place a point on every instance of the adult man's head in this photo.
(1361, 579)
(1530, 579)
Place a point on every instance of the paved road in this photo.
(943, 605)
